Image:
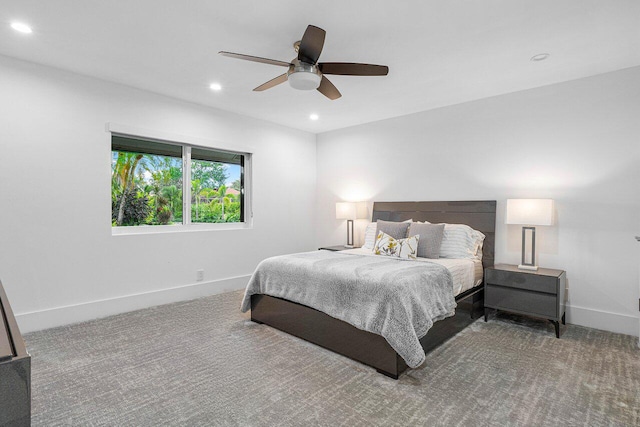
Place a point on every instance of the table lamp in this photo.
(529, 212)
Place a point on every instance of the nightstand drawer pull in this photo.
(518, 280)
(522, 301)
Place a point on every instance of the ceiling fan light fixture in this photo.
(305, 72)
(304, 80)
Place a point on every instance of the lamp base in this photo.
(528, 267)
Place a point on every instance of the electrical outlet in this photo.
(199, 275)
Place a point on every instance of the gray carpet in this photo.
(202, 362)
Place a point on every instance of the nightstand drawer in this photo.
(523, 301)
(531, 282)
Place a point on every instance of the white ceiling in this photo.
(439, 52)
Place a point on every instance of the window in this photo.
(158, 183)
(216, 186)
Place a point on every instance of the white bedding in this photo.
(466, 273)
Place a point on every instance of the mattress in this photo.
(466, 273)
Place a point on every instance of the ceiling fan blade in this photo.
(255, 59)
(311, 44)
(271, 83)
(328, 89)
(353, 69)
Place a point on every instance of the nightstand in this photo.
(535, 293)
(335, 248)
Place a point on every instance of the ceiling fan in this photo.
(306, 73)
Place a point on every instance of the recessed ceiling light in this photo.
(314, 117)
(23, 28)
(540, 57)
(215, 86)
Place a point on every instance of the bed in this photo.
(370, 348)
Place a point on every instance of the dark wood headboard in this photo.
(479, 215)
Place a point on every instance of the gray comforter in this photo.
(398, 299)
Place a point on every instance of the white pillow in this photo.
(461, 241)
(400, 248)
(370, 234)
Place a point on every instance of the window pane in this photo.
(146, 189)
(216, 189)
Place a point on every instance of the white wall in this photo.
(59, 262)
(575, 142)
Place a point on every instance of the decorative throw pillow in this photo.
(400, 248)
(430, 238)
(397, 230)
(461, 241)
(371, 231)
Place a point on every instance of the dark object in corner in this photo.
(15, 370)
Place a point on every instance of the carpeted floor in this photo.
(202, 362)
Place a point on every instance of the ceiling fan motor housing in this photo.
(303, 76)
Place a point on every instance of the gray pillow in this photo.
(430, 239)
(397, 230)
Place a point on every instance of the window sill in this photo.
(178, 228)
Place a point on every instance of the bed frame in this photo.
(369, 348)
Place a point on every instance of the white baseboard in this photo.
(614, 322)
(59, 316)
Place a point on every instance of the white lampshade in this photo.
(345, 210)
(530, 211)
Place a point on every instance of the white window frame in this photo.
(186, 143)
